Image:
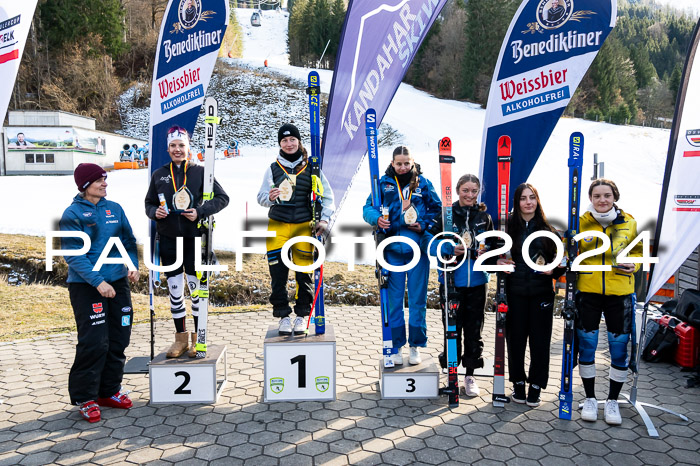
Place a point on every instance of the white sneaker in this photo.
(414, 356)
(397, 357)
(590, 410)
(285, 326)
(300, 326)
(470, 386)
(612, 413)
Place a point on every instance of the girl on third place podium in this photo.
(469, 220)
(413, 206)
(530, 297)
(605, 293)
(286, 190)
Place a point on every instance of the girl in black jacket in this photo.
(185, 182)
(530, 297)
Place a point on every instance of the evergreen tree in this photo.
(337, 20)
(674, 82)
(70, 21)
(486, 26)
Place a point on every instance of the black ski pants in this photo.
(104, 330)
(529, 320)
(168, 255)
(470, 324)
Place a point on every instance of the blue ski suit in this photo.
(427, 204)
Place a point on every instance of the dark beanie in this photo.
(287, 129)
(86, 173)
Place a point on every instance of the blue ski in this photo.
(379, 234)
(566, 396)
(314, 92)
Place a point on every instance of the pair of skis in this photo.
(575, 163)
(379, 235)
(314, 92)
(450, 305)
(206, 225)
(499, 398)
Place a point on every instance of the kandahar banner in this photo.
(15, 19)
(378, 42)
(189, 42)
(548, 48)
(678, 223)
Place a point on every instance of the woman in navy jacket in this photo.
(412, 205)
(101, 299)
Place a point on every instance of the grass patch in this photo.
(37, 310)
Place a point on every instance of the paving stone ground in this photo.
(37, 426)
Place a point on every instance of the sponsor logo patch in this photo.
(276, 384)
(97, 307)
(686, 199)
(693, 137)
(126, 321)
(189, 12)
(322, 383)
(126, 309)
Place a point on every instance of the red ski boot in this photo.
(118, 400)
(90, 411)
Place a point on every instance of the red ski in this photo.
(501, 306)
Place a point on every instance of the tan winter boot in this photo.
(180, 346)
(193, 349)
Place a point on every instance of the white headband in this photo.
(182, 136)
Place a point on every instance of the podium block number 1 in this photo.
(309, 374)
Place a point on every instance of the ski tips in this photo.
(576, 149)
(504, 146)
(445, 145)
(370, 122)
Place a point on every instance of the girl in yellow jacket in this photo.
(608, 293)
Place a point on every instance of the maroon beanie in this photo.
(86, 173)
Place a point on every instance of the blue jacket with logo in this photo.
(424, 199)
(100, 222)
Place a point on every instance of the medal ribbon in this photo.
(287, 173)
(184, 182)
(410, 193)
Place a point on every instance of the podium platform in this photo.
(189, 380)
(299, 367)
(407, 381)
